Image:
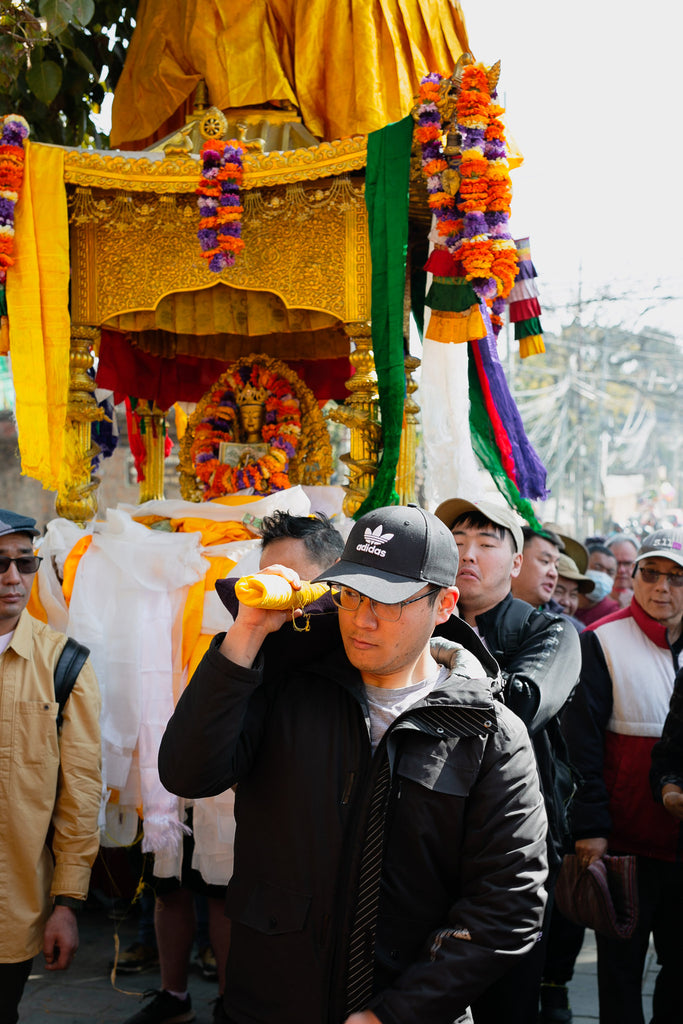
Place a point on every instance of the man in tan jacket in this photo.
(50, 782)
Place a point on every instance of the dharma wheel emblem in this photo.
(214, 124)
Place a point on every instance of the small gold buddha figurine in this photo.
(251, 403)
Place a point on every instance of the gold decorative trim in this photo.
(306, 244)
(140, 174)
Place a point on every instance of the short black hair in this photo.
(552, 538)
(323, 541)
(601, 549)
(479, 521)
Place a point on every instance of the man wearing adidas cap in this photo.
(390, 845)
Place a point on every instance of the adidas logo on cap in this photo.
(372, 539)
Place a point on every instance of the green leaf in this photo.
(44, 80)
(83, 61)
(83, 10)
(57, 14)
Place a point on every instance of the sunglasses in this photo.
(26, 564)
(674, 579)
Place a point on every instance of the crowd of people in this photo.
(412, 756)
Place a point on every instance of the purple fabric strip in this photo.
(525, 270)
(531, 473)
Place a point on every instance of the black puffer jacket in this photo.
(539, 654)
(464, 856)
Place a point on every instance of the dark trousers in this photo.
(513, 998)
(565, 940)
(621, 963)
(13, 978)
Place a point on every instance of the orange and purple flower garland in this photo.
(14, 131)
(281, 430)
(220, 227)
(474, 224)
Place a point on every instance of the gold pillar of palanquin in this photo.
(360, 414)
(77, 497)
(405, 471)
(152, 421)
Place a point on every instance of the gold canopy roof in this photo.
(349, 66)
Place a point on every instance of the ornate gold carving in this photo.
(360, 414)
(213, 124)
(76, 497)
(142, 174)
(309, 246)
(312, 463)
(255, 145)
(405, 471)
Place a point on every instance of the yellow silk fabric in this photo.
(38, 309)
(34, 605)
(194, 642)
(71, 564)
(269, 591)
(350, 66)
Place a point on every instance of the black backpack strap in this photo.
(71, 661)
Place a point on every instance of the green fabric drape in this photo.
(386, 198)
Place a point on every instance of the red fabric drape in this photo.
(127, 371)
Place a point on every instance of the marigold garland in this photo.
(14, 131)
(220, 226)
(472, 225)
(281, 430)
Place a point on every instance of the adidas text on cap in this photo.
(392, 552)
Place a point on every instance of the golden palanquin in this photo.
(300, 290)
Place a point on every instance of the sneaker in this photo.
(163, 1009)
(555, 1007)
(136, 958)
(206, 962)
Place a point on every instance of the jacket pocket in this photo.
(442, 775)
(269, 909)
(35, 733)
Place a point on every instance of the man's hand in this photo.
(60, 939)
(363, 1017)
(588, 850)
(251, 627)
(672, 798)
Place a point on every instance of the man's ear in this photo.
(447, 602)
(516, 564)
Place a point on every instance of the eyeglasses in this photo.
(349, 600)
(674, 579)
(26, 564)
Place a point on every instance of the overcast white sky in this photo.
(592, 93)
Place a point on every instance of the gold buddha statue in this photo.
(251, 403)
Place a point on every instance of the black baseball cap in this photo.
(392, 552)
(12, 522)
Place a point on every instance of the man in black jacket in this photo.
(540, 659)
(390, 846)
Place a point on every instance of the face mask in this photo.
(603, 585)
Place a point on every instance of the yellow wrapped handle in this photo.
(264, 590)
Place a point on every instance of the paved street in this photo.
(85, 994)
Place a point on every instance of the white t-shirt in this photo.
(386, 705)
(5, 641)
